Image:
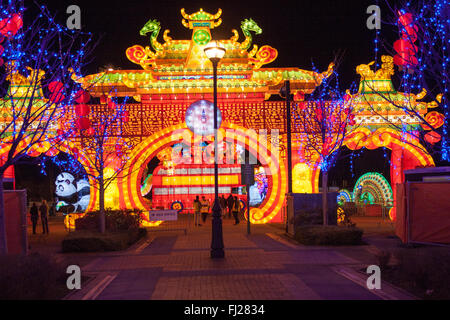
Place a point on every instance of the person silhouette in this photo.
(43, 209)
(34, 216)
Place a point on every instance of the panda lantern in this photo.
(72, 196)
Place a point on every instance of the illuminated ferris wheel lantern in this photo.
(200, 118)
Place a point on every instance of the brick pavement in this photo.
(174, 266)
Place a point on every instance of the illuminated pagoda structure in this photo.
(176, 74)
(12, 109)
(382, 120)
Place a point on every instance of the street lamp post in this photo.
(215, 51)
(286, 91)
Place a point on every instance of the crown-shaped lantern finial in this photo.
(201, 19)
(376, 81)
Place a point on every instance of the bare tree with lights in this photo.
(37, 60)
(323, 123)
(99, 134)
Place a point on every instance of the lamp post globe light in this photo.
(215, 51)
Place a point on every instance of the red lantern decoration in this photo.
(410, 33)
(83, 123)
(55, 86)
(90, 131)
(325, 148)
(17, 20)
(405, 48)
(299, 96)
(57, 97)
(111, 105)
(11, 26)
(405, 19)
(432, 137)
(82, 97)
(125, 116)
(302, 105)
(82, 110)
(319, 115)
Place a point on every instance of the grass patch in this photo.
(328, 235)
(31, 277)
(92, 241)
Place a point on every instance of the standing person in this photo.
(204, 208)
(223, 204)
(44, 216)
(236, 210)
(197, 208)
(230, 201)
(34, 216)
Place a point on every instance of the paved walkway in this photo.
(263, 265)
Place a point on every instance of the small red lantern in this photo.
(57, 97)
(90, 131)
(55, 86)
(83, 123)
(125, 116)
(319, 115)
(11, 26)
(82, 96)
(111, 104)
(82, 110)
(325, 150)
(405, 19)
(16, 23)
(432, 137)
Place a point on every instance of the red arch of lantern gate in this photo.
(129, 182)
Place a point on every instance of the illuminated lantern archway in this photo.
(375, 186)
(130, 186)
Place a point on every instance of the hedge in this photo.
(328, 235)
(91, 241)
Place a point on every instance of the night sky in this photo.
(303, 32)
